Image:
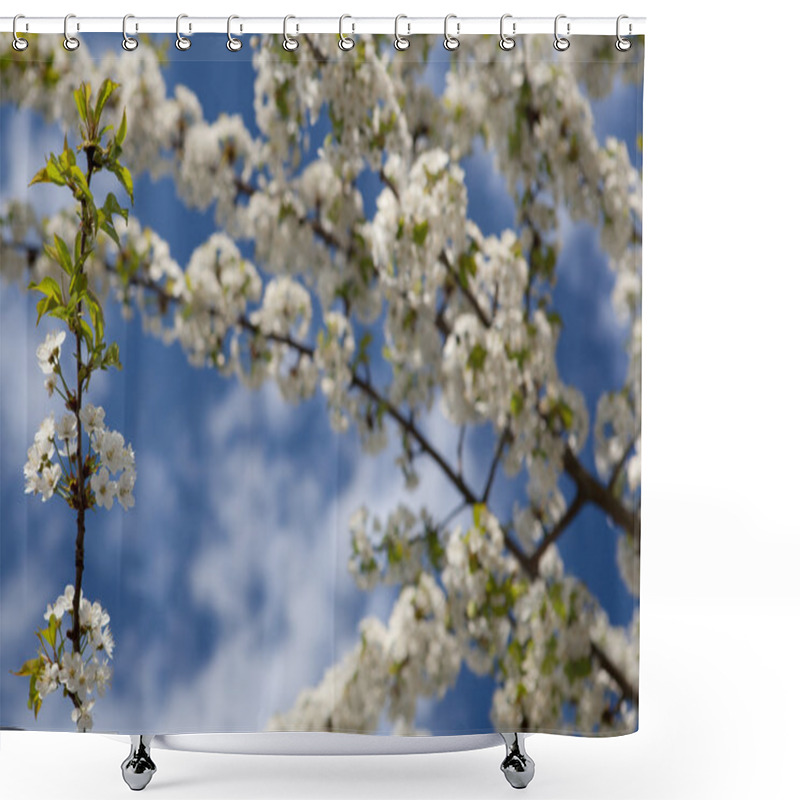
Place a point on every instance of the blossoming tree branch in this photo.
(420, 309)
(60, 464)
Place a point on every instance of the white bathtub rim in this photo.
(318, 743)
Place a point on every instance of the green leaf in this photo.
(111, 206)
(31, 667)
(477, 357)
(55, 173)
(124, 176)
(49, 633)
(88, 336)
(42, 176)
(48, 305)
(517, 404)
(111, 357)
(102, 96)
(62, 254)
(362, 356)
(566, 414)
(420, 233)
(467, 268)
(48, 287)
(550, 660)
(81, 101)
(477, 512)
(76, 173)
(122, 130)
(556, 595)
(579, 668)
(68, 154)
(109, 228)
(516, 652)
(96, 314)
(78, 286)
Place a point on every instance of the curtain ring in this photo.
(18, 43)
(128, 43)
(401, 42)
(451, 42)
(71, 43)
(233, 44)
(181, 42)
(290, 44)
(622, 44)
(561, 43)
(507, 42)
(345, 42)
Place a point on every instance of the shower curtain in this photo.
(320, 385)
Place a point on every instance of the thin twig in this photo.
(504, 439)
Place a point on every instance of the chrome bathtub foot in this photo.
(517, 766)
(138, 768)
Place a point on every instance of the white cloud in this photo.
(280, 551)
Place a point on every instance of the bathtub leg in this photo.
(517, 766)
(138, 768)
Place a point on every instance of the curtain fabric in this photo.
(320, 373)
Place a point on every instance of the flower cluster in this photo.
(49, 469)
(333, 357)
(414, 655)
(83, 673)
(42, 475)
(395, 552)
(481, 581)
(115, 458)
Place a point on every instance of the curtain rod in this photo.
(408, 26)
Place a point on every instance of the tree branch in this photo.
(629, 692)
(505, 437)
(621, 463)
(532, 564)
(363, 385)
(79, 494)
(601, 496)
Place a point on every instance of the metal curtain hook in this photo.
(623, 44)
(401, 42)
(128, 43)
(18, 43)
(345, 42)
(451, 42)
(507, 42)
(561, 43)
(181, 42)
(233, 44)
(70, 42)
(290, 44)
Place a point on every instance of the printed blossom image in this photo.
(322, 372)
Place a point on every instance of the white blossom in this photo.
(105, 490)
(67, 427)
(111, 449)
(49, 352)
(47, 681)
(82, 716)
(92, 419)
(125, 486)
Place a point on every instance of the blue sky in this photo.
(220, 580)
